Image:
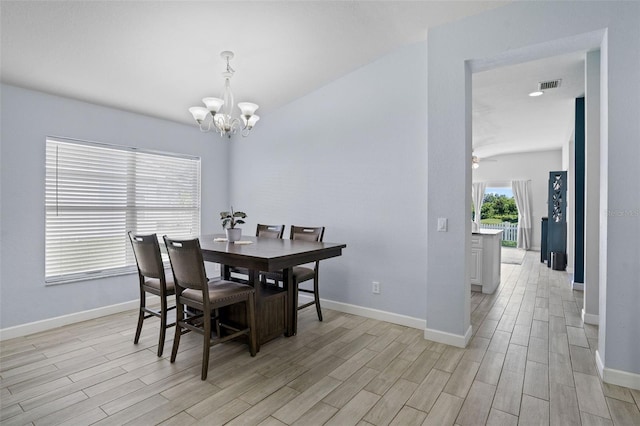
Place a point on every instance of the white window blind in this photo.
(96, 193)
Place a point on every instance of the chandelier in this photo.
(217, 115)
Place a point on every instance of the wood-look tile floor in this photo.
(531, 361)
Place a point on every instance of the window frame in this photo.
(134, 157)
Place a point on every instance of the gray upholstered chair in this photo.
(240, 274)
(152, 279)
(304, 273)
(195, 291)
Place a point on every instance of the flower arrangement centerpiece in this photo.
(229, 221)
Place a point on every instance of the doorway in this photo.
(517, 136)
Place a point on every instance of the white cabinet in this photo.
(485, 260)
(476, 259)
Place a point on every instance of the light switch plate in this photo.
(442, 224)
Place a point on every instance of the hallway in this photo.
(540, 357)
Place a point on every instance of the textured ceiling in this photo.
(159, 58)
(507, 120)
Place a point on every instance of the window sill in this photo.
(88, 276)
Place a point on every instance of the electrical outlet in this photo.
(375, 288)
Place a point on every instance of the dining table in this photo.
(276, 307)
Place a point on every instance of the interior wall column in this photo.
(592, 189)
(568, 162)
(448, 197)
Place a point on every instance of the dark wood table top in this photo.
(267, 254)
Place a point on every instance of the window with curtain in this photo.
(96, 193)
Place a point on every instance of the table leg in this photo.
(292, 302)
(226, 272)
(254, 281)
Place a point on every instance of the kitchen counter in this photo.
(488, 232)
(485, 260)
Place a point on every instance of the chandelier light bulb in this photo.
(199, 113)
(247, 108)
(213, 104)
(249, 123)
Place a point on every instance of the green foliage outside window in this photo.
(499, 207)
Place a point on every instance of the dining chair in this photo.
(263, 231)
(152, 279)
(196, 291)
(269, 231)
(304, 273)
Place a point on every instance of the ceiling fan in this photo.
(475, 161)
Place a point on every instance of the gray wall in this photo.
(28, 117)
(515, 32)
(350, 156)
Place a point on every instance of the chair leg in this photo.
(206, 345)
(251, 321)
(217, 321)
(140, 316)
(163, 325)
(316, 295)
(178, 333)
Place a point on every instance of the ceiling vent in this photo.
(551, 84)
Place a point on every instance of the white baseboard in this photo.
(599, 364)
(456, 340)
(590, 318)
(577, 286)
(420, 324)
(51, 323)
(376, 314)
(617, 377)
(429, 334)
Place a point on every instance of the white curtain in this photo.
(477, 196)
(522, 195)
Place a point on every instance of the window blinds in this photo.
(96, 193)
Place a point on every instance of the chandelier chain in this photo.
(229, 69)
